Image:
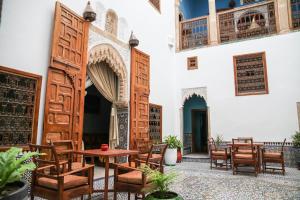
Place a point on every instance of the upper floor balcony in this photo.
(211, 22)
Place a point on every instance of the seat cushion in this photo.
(70, 181)
(272, 155)
(243, 156)
(245, 151)
(133, 177)
(220, 153)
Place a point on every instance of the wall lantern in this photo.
(133, 41)
(89, 14)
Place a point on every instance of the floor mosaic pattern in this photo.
(196, 182)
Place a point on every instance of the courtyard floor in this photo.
(196, 181)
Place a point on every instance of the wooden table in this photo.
(257, 145)
(111, 153)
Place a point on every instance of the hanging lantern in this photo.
(133, 41)
(89, 14)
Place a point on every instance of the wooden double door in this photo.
(64, 105)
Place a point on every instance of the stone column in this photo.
(213, 28)
(283, 16)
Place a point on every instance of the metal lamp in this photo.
(89, 14)
(133, 41)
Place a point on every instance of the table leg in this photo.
(106, 178)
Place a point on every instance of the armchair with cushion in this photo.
(217, 153)
(244, 155)
(273, 157)
(50, 182)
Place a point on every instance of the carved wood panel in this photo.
(19, 107)
(250, 74)
(66, 78)
(139, 97)
(155, 123)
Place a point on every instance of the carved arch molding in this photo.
(187, 93)
(107, 53)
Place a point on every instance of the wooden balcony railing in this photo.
(194, 32)
(295, 14)
(246, 22)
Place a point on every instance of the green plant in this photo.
(219, 140)
(296, 139)
(173, 142)
(12, 168)
(160, 182)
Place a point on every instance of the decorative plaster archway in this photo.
(189, 92)
(107, 53)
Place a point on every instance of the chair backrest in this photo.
(283, 144)
(212, 144)
(245, 139)
(143, 145)
(64, 149)
(159, 151)
(242, 144)
(48, 157)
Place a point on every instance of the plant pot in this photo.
(17, 190)
(171, 156)
(179, 155)
(169, 196)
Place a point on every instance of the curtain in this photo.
(106, 81)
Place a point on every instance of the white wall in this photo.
(26, 31)
(270, 117)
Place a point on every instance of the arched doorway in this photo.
(106, 92)
(195, 125)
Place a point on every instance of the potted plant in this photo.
(296, 144)
(219, 141)
(12, 167)
(159, 189)
(171, 152)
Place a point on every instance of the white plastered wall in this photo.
(26, 32)
(270, 117)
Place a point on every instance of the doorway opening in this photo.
(195, 125)
(96, 119)
(199, 131)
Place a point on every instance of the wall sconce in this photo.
(133, 41)
(89, 14)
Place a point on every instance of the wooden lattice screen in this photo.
(155, 123)
(295, 13)
(19, 107)
(250, 74)
(192, 63)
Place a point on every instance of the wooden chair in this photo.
(273, 157)
(132, 180)
(244, 154)
(50, 182)
(65, 152)
(218, 154)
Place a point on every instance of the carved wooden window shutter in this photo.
(64, 106)
(139, 97)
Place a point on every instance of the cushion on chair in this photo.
(272, 155)
(220, 153)
(243, 156)
(70, 181)
(246, 151)
(134, 177)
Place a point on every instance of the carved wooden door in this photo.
(139, 97)
(64, 106)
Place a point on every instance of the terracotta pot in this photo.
(179, 155)
(104, 147)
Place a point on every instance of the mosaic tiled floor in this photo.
(196, 181)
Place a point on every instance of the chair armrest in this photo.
(45, 167)
(82, 169)
(118, 166)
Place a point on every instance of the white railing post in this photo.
(283, 16)
(213, 30)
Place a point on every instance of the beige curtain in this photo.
(106, 81)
